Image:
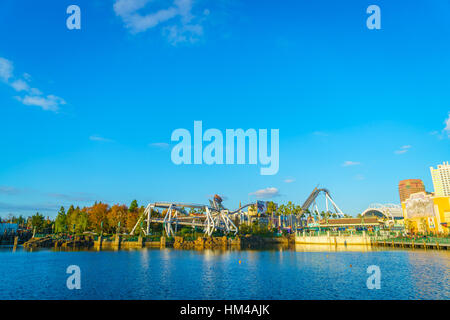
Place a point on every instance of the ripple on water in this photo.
(275, 274)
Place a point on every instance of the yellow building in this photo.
(427, 213)
(441, 179)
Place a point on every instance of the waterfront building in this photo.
(408, 187)
(427, 213)
(441, 179)
(352, 223)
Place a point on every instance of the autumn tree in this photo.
(117, 214)
(98, 214)
(133, 217)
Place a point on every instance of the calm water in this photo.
(302, 273)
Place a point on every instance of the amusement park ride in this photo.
(311, 202)
(214, 216)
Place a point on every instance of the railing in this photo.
(335, 233)
(130, 238)
(408, 240)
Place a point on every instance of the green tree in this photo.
(72, 218)
(61, 221)
(271, 207)
(82, 220)
(37, 222)
(133, 206)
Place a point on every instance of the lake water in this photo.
(300, 273)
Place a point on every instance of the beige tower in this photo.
(441, 180)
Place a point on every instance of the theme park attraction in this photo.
(311, 202)
(215, 217)
(212, 217)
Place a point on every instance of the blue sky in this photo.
(87, 114)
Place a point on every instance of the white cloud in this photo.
(20, 85)
(32, 96)
(100, 139)
(6, 69)
(403, 149)
(8, 190)
(27, 76)
(359, 177)
(185, 33)
(447, 125)
(289, 180)
(35, 91)
(182, 27)
(350, 163)
(266, 193)
(49, 103)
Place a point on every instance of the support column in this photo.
(140, 242)
(117, 241)
(99, 242)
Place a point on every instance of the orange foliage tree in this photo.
(118, 213)
(98, 214)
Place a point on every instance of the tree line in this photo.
(99, 217)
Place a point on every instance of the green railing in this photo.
(130, 238)
(430, 240)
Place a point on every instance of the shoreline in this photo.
(228, 243)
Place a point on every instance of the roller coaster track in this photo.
(213, 218)
(311, 201)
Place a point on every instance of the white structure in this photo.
(389, 210)
(311, 202)
(441, 180)
(174, 214)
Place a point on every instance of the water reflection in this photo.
(297, 272)
(331, 248)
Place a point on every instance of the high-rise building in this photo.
(408, 187)
(441, 180)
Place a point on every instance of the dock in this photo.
(363, 238)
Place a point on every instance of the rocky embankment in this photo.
(239, 242)
(201, 243)
(49, 242)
